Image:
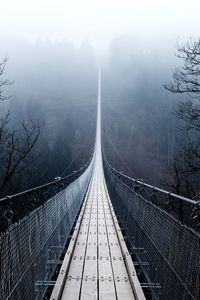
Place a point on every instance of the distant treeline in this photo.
(56, 87)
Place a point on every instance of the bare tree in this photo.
(16, 145)
(180, 180)
(3, 82)
(186, 80)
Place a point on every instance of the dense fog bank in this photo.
(139, 127)
(55, 83)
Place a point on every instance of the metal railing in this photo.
(185, 209)
(167, 251)
(15, 207)
(31, 248)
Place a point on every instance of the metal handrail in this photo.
(15, 207)
(185, 209)
(154, 188)
(51, 183)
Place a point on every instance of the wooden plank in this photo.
(106, 280)
(58, 289)
(73, 282)
(89, 288)
(138, 292)
(121, 278)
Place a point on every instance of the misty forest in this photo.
(150, 112)
(99, 150)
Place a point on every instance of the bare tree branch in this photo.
(16, 146)
(3, 82)
(186, 80)
(16, 152)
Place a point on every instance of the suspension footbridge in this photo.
(97, 264)
(96, 235)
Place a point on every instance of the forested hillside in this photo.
(55, 85)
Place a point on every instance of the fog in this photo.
(98, 20)
(54, 49)
(56, 83)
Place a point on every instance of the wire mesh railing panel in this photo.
(169, 250)
(30, 249)
(17, 206)
(182, 208)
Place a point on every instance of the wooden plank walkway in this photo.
(97, 264)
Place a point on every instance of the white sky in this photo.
(98, 20)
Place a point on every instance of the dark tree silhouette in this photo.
(3, 82)
(16, 145)
(186, 80)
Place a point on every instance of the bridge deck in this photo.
(97, 264)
